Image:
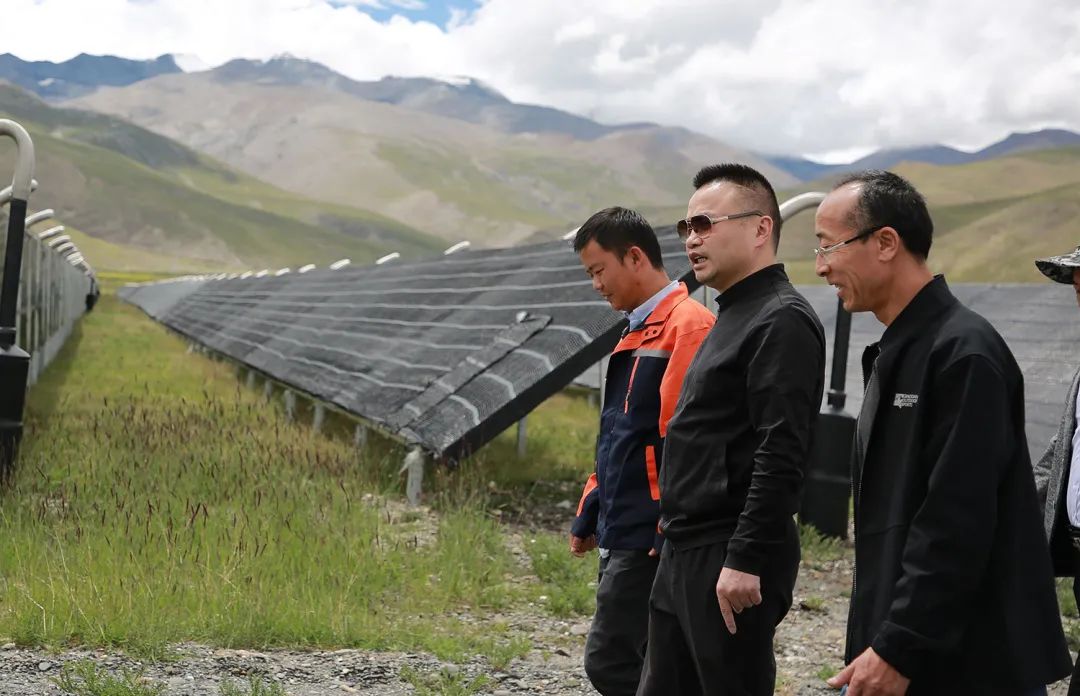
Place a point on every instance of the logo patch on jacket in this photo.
(905, 400)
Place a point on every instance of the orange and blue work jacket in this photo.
(621, 500)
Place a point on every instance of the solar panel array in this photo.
(1040, 323)
(444, 353)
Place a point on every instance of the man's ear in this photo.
(637, 256)
(888, 243)
(763, 234)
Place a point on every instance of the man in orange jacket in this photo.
(619, 508)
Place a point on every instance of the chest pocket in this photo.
(643, 389)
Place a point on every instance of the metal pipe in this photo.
(457, 247)
(339, 264)
(389, 257)
(51, 231)
(5, 193)
(20, 193)
(39, 216)
(14, 361)
(797, 204)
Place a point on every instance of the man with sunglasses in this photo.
(1057, 473)
(952, 591)
(619, 506)
(735, 454)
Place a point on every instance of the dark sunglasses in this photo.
(702, 224)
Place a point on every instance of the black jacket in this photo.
(738, 444)
(953, 584)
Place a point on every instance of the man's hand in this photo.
(736, 590)
(579, 546)
(869, 675)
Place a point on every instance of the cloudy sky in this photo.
(822, 77)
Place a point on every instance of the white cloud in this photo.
(819, 76)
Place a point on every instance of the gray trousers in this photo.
(615, 648)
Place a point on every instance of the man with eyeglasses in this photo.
(1057, 473)
(952, 591)
(735, 453)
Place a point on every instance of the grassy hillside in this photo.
(991, 218)
(139, 193)
(447, 177)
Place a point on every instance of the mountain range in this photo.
(476, 176)
(134, 200)
(464, 99)
(286, 161)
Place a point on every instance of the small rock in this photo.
(452, 670)
(44, 666)
(560, 651)
(564, 505)
(579, 629)
(7, 646)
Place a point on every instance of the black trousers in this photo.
(690, 651)
(615, 648)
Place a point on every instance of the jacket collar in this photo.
(934, 298)
(660, 314)
(651, 328)
(752, 285)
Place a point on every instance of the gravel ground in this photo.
(809, 647)
(810, 639)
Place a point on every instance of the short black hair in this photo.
(761, 191)
(616, 230)
(889, 200)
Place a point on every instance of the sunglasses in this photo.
(701, 225)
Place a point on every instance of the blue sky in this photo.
(438, 13)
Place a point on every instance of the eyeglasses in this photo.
(823, 252)
(702, 224)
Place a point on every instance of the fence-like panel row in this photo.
(54, 293)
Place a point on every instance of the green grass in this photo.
(157, 501)
(1066, 599)
(444, 683)
(84, 678)
(567, 582)
(818, 548)
(255, 686)
(560, 447)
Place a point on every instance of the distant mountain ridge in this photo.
(464, 99)
(135, 200)
(80, 75)
(942, 155)
(452, 158)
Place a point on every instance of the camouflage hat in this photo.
(1060, 268)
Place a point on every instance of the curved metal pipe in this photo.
(5, 193)
(39, 216)
(797, 204)
(51, 231)
(457, 247)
